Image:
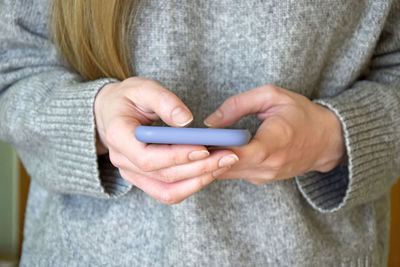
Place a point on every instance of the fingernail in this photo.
(228, 160)
(201, 154)
(181, 117)
(213, 118)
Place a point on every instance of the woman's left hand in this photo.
(296, 135)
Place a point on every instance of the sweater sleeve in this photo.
(46, 110)
(369, 112)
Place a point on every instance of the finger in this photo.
(149, 157)
(262, 157)
(273, 135)
(257, 176)
(235, 107)
(169, 193)
(216, 161)
(149, 96)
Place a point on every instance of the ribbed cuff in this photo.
(68, 121)
(369, 144)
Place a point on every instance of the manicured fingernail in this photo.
(228, 160)
(201, 154)
(181, 117)
(213, 118)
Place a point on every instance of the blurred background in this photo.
(14, 184)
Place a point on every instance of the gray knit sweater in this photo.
(344, 54)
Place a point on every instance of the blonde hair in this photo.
(93, 35)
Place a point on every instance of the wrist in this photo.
(101, 145)
(333, 148)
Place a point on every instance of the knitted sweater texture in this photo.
(342, 54)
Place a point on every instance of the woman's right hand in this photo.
(168, 173)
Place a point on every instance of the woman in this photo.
(322, 78)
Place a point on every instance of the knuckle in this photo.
(112, 138)
(166, 176)
(145, 164)
(270, 89)
(176, 159)
(140, 84)
(233, 102)
(205, 168)
(325, 168)
(151, 83)
(129, 81)
(137, 81)
(261, 153)
(289, 100)
(276, 163)
(168, 198)
(132, 79)
(288, 132)
(147, 84)
(115, 159)
(260, 156)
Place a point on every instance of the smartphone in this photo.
(192, 136)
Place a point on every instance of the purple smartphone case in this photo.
(192, 136)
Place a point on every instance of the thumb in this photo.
(150, 96)
(235, 107)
